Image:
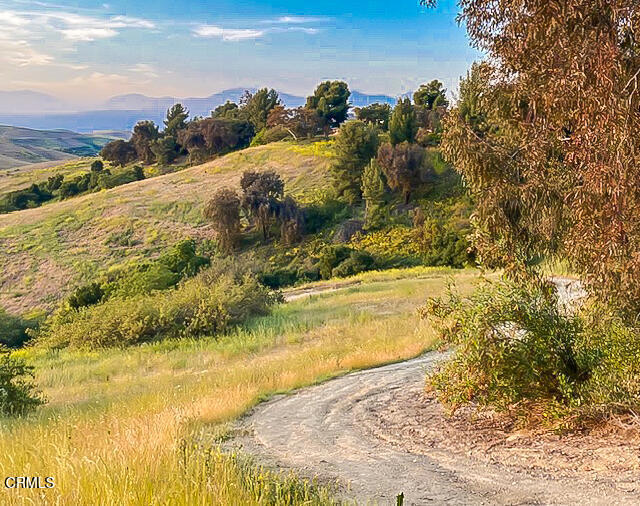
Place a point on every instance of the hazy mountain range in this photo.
(41, 111)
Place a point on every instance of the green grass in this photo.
(117, 420)
(22, 177)
(60, 245)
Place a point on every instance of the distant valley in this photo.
(23, 146)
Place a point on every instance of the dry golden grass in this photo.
(133, 426)
(45, 251)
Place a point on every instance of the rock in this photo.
(347, 230)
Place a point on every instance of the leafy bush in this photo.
(324, 214)
(358, 261)
(341, 261)
(269, 135)
(183, 258)
(393, 246)
(86, 295)
(18, 395)
(13, 329)
(33, 196)
(441, 245)
(180, 262)
(518, 350)
(277, 278)
(207, 304)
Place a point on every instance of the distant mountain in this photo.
(196, 106)
(122, 112)
(30, 102)
(23, 146)
(204, 106)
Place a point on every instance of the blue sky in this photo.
(89, 50)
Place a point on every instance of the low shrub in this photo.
(14, 329)
(269, 135)
(180, 262)
(341, 261)
(207, 304)
(18, 394)
(86, 295)
(358, 261)
(517, 350)
(393, 246)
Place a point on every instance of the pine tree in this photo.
(176, 120)
(373, 193)
(356, 144)
(403, 125)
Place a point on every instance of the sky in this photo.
(87, 51)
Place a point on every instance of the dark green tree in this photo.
(176, 120)
(331, 102)
(258, 105)
(262, 194)
(431, 95)
(144, 134)
(119, 152)
(213, 136)
(375, 114)
(228, 110)
(356, 144)
(165, 150)
(373, 194)
(97, 166)
(403, 125)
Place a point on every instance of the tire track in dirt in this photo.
(325, 431)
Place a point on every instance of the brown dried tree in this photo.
(224, 211)
(552, 151)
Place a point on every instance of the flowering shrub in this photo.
(391, 246)
(321, 148)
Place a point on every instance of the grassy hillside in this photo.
(23, 146)
(47, 251)
(18, 178)
(140, 425)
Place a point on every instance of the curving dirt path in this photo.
(362, 432)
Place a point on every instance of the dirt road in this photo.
(353, 430)
(329, 431)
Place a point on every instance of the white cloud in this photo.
(71, 26)
(298, 19)
(21, 54)
(145, 69)
(12, 19)
(236, 34)
(22, 33)
(310, 31)
(88, 34)
(129, 22)
(228, 34)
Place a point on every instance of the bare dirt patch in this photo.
(414, 420)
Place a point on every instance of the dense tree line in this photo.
(389, 145)
(258, 117)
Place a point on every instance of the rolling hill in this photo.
(46, 252)
(23, 146)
